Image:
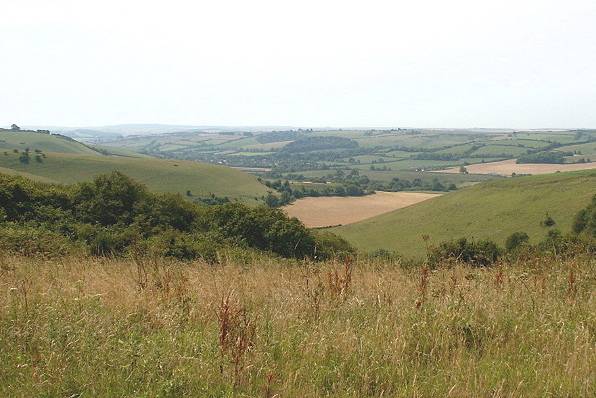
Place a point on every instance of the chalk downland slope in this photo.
(80, 163)
(492, 210)
(335, 210)
(21, 140)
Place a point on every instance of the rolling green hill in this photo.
(10, 140)
(492, 210)
(68, 162)
(12, 172)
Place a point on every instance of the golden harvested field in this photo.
(336, 210)
(507, 167)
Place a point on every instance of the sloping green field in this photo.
(76, 162)
(12, 172)
(492, 210)
(22, 140)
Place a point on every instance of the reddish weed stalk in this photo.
(236, 335)
(339, 283)
(423, 286)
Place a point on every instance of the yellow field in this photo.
(335, 210)
(507, 167)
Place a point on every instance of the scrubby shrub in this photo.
(480, 253)
(158, 211)
(515, 240)
(585, 220)
(106, 241)
(182, 246)
(24, 200)
(108, 200)
(35, 241)
(548, 221)
(559, 244)
(114, 215)
(263, 228)
(24, 157)
(329, 245)
(384, 255)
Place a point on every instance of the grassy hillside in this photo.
(10, 140)
(489, 210)
(159, 175)
(12, 172)
(66, 161)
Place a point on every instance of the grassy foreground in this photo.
(92, 327)
(493, 210)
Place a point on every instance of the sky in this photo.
(342, 63)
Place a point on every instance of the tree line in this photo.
(114, 215)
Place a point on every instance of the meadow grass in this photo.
(265, 327)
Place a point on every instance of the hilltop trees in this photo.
(14, 127)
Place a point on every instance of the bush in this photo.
(480, 253)
(384, 255)
(106, 241)
(263, 228)
(328, 245)
(113, 215)
(548, 221)
(515, 240)
(585, 220)
(23, 200)
(182, 246)
(35, 241)
(558, 244)
(24, 158)
(108, 200)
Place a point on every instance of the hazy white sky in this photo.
(433, 63)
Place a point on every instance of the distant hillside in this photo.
(492, 210)
(21, 140)
(56, 159)
(12, 172)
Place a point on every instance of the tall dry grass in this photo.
(92, 327)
